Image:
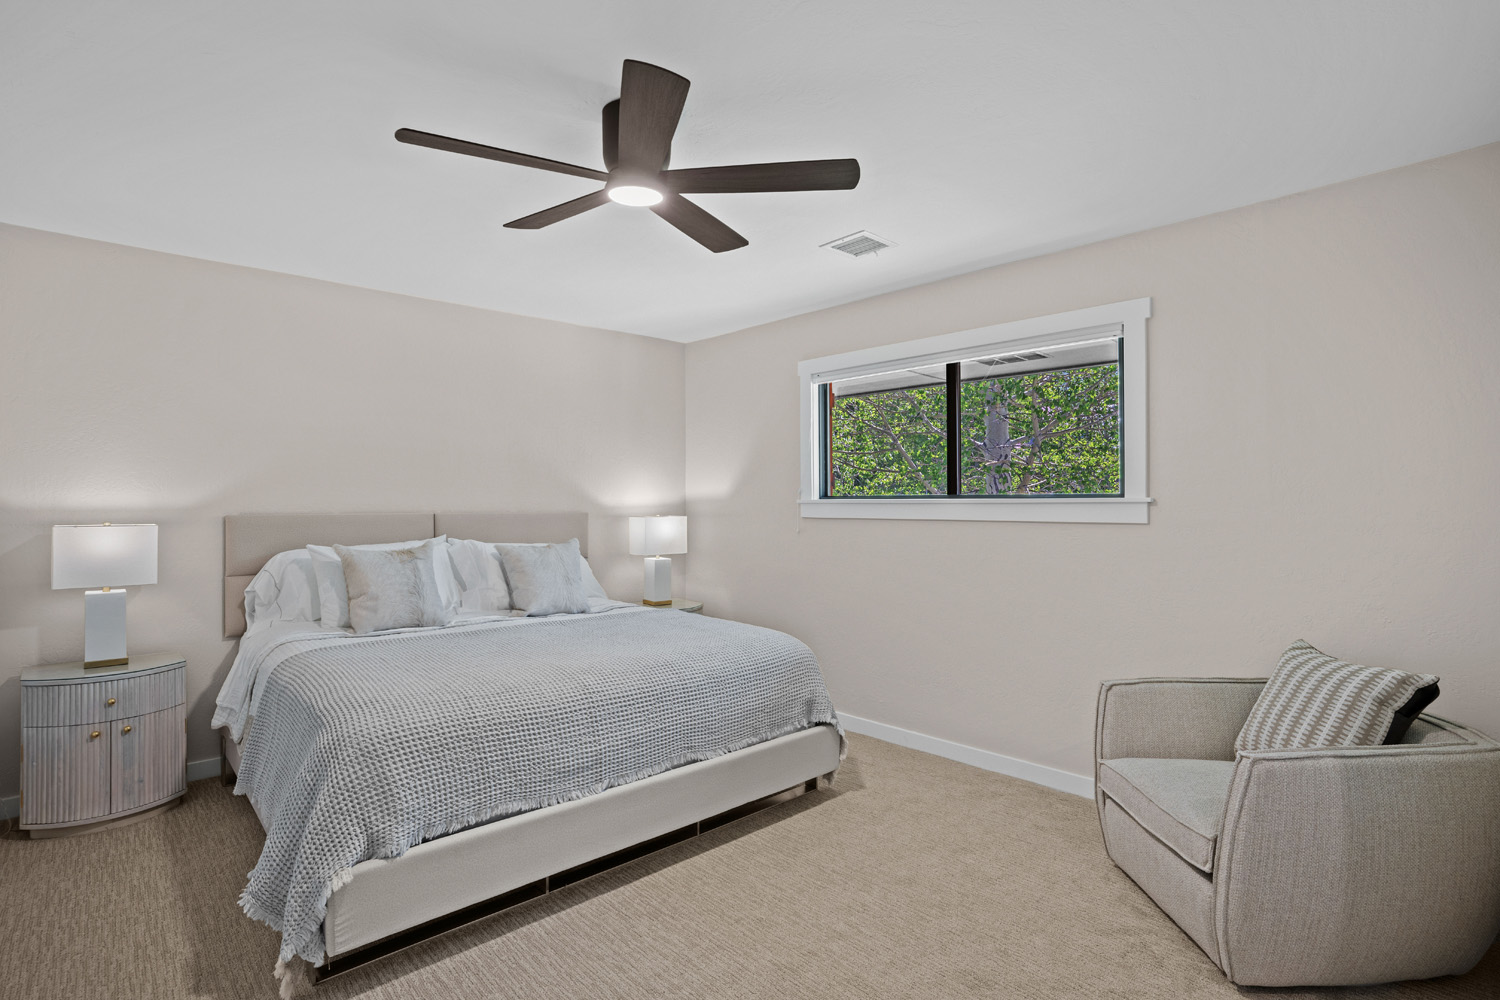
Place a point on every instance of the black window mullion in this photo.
(825, 440)
(952, 428)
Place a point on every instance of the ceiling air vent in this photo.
(860, 243)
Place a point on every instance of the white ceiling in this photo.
(259, 133)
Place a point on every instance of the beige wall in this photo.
(142, 386)
(1324, 422)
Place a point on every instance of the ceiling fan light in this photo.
(635, 194)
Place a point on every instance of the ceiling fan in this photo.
(638, 130)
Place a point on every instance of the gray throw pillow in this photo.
(392, 588)
(1316, 700)
(544, 579)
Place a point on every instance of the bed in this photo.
(441, 873)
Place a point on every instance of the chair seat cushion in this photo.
(1181, 802)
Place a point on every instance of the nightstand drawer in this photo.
(78, 704)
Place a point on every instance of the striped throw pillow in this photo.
(1315, 700)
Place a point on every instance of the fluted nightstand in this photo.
(101, 743)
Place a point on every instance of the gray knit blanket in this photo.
(365, 748)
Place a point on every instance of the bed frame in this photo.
(391, 904)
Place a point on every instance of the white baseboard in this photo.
(1040, 774)
(200, 769)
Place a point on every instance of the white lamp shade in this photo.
(103, 555)
(661, 535)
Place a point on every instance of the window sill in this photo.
(1089, 510)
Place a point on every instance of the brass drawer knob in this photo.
(124, 731)
(94, 735)
(109, 701)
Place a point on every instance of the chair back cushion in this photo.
(1316, 700)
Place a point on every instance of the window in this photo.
(1041, 419)
(1032, 423)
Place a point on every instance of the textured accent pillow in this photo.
(544, 579)
(1316, 700)
(333, 595)
(393, 588)
(591, 586)
(285, 590)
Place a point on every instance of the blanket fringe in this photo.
(291, 975)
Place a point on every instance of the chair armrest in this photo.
(1192, 717)
(1359, 864)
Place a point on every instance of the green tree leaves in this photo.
(1054, 433)
(889, 444)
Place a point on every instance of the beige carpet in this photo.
(913, 877)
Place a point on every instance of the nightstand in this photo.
(691, 607)
(101, 743)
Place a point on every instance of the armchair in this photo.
(1319, 867)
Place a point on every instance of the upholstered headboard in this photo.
(251, 539)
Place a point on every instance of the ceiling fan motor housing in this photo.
(611, 118)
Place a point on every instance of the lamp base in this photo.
(658, 590)
(104, 628)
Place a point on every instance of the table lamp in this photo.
(655, 537)
(108, 557)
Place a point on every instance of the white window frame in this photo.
(1125, 319)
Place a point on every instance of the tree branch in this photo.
(905, 455)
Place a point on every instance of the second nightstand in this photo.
(691, 607)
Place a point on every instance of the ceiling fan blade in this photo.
(557, 213)
(795, 175)
(651, 100)
(698, 224)
(415, 138)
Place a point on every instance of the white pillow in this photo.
(481, 583)
(477, 575)
(393, 588)
(333, 593)
(591, 585)
(285, 589)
